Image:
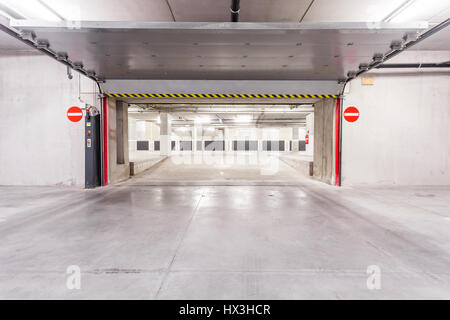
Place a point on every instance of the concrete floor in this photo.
(302, 241)
(220, 168)
(143, 155)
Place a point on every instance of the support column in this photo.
(259, 137)
(121, 132)
(194, 138)
(118, 156)
(197, 136)
(226, 138)
(165, 134)
(295, 138)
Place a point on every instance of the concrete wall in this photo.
(132, 137)
(148, 131)
(402, 136)
(208, 133)
(324, 125)
(38, 144)
(310, 128)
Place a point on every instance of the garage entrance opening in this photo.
(221, 143)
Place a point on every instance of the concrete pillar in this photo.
(119, 165)
(165, 134)
(323, 149)
(226, 138)
(197, 136)
(121, 132)
(295, 138)
(194, 138)
(259, 137)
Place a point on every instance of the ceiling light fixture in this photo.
(412, 10)
(202, 120)
(4, 13)
(243, 118)
(32, 9)
(398, 10)
(9, 12)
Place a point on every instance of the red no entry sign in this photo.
(351, 114)
(75, 114)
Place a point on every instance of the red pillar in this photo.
(105, 141)
(338, 144)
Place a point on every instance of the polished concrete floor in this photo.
(221, 168)
(302, 241)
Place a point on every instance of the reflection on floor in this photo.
(225, 242)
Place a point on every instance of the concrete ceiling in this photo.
(251, 11)
(433, 11)
(350, 10)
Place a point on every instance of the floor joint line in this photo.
(166, 274)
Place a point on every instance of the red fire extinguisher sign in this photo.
(307, 137)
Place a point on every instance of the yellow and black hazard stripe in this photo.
(220, 96)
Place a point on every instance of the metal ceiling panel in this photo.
(225, 51)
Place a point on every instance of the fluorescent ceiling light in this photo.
(243, 118)
(3, 13)
(413, 10)
(75, 10)
(202, 120)
(32, 9)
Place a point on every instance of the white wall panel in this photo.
(39, 145)
(403, 134)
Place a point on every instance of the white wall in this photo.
(132, 136)
(38, 144)
(310, 128)
(209, 133)
(402, 136)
